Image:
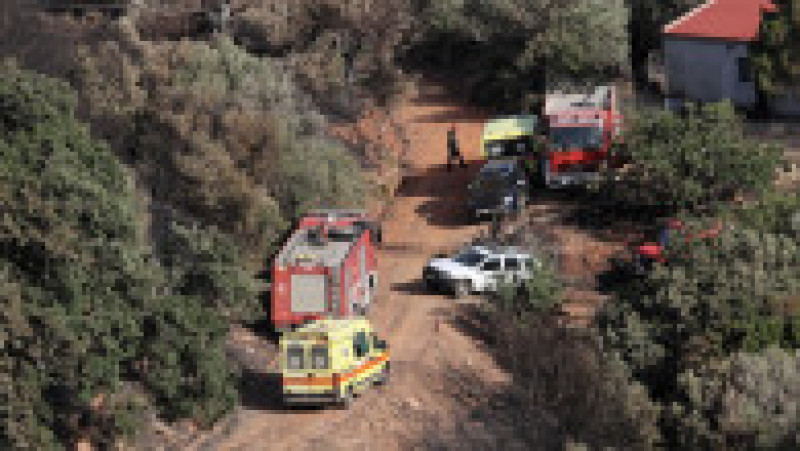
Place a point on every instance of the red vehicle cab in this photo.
(581, 130)
(326, 269)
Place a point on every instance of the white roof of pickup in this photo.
(560, 101)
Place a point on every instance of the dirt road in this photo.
(425, 215)
(438, 370)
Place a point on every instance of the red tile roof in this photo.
(733, 20)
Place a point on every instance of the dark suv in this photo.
(499, 188)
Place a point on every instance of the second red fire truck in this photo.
(327, 269)
(581, 130)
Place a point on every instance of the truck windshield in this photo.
(564, 138)
(515, 147)
(470, 258)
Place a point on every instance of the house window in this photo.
(743, 65)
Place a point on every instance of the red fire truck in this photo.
(327, 268)
(581, 130)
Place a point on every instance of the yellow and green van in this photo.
(331, 361)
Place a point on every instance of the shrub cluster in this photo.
(86, 308)
(692, 161)
(682, 332)
(506, 51)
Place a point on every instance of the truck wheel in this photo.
(462, 289)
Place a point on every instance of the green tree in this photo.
(775, 54)
(80, 286)
(693, 161)
(746, 401)
(712, 299)
(509, 49)
(646, 23)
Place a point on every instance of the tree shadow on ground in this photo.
(561, 390)
(414, 287)
(600, 215)
(454, 115)
(472, 322)
(446, 190)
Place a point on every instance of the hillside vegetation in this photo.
(146, 179)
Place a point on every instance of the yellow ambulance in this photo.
(331, 360)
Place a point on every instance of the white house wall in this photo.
(706, 71)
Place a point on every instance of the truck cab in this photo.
(331, 361)
(581, 130)
(327, 268)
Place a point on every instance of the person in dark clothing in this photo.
(453, 152)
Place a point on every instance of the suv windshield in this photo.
(515, 147)
(469, 258)
(563, 138)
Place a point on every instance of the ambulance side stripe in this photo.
(328, 380)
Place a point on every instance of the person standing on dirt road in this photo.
(453, 152)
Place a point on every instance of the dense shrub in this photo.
(693, 161)
(507, 50)
(205, 264)
(568, 389)
(712, 299)
(80, 287)
(747, 401)
(777, 212)
(227, 118)
(534, 297)
(775, 55)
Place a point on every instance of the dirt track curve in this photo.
(426, 405)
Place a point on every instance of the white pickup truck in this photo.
(479, 269)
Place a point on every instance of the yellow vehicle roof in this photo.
(510, 127)
(332, 326)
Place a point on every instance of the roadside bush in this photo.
(183, 361)
(568, 389)
(534, 297)
(316, 172)
(693, 161)
(204, 264)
